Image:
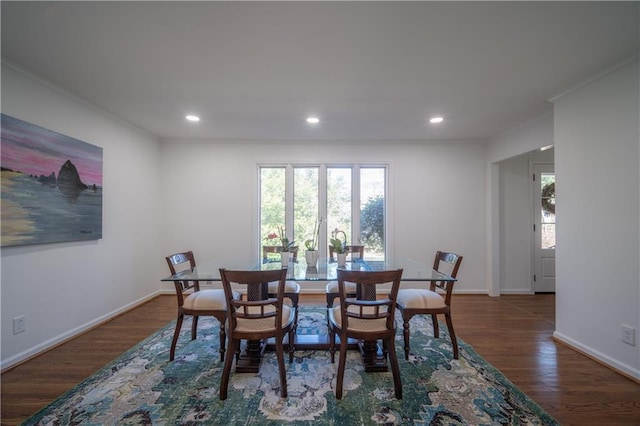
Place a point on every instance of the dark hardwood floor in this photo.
(513, 333)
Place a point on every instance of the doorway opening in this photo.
(544, 228)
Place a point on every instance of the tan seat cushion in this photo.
(417, 298)
(206, 300)
(289, 287)
(357, 324)
(332, 287)
(265, 324)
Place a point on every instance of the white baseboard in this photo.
(518, 291)
(19, 358)
(624, 369)
(471, 291)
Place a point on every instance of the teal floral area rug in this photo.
(142, 387)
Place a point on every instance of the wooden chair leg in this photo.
(330, 297)
(395, 369)
(454, 340)
(292, 341)
(406, 333)
(194, 327)
(436, 328)
(332, 344)
(223, 340)
(226, 371)
(295, 298)
(283, 372)
(176, 334)
(294, 328)
(342, 362)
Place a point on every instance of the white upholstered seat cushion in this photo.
(265, 324)
(357, 324)
(289, 287)
(206, 299)
(332, 287)
(418, 298)
(210, 299)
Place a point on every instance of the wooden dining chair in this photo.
(331, 290)
(291, 288)
(195, 302)
(436, 300)
(278, 249)
(257, 318)
(366, 318)
(354, 250)
(291, 292)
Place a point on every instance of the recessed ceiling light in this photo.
(192, 118)
(435, 120)
(313, 120)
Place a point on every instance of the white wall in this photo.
(437, 197)
(525, 138)
(598, 204)
(515, 226)
(64, 288)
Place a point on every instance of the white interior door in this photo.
(544, 228)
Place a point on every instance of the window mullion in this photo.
(322, 210)
(288, 203)
(355, 204)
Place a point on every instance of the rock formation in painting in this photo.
(69, 178)
(48, 180)
(69, 182)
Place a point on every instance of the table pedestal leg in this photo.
(251, 357)
(373, 357)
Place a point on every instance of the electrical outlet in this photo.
(628, 335)
(19, 324)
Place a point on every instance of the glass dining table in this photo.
(324, 270)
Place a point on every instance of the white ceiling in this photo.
(369, 70)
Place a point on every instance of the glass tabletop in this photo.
(325, 270)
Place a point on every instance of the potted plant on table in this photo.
(286, 246)
(339, 246)
(311, 255)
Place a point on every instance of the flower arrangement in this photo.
(284, 241)
(270, 239)
(312, 243)
(279, 238)
(339, 246)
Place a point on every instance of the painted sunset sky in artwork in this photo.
(33, 150)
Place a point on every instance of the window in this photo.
(348, 198)
(548, 211)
